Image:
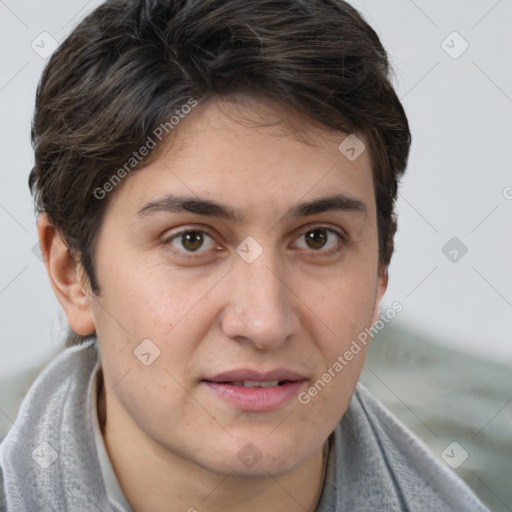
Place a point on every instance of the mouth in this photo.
(250, 390)
(257, 384)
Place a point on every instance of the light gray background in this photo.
(458, 184)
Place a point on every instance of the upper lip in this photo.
(255, 375)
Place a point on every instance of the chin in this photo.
(259, 456)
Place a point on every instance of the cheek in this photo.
(327, 399)
(341, 310)
(154, 311)
(153, 300)
(343, 305)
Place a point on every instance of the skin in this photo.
(172, 442)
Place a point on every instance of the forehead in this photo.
(256, 157)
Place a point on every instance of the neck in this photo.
(154, 479)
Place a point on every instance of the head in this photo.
(194, 194)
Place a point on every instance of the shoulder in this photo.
(393, 457)
(51, 442)
(69, 371)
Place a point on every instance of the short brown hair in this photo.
(129, 65)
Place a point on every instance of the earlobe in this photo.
(69, 285)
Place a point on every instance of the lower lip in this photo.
(258, 398)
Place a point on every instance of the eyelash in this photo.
(343, 240)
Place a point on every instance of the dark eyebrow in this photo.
(334, 202)
(179, 204)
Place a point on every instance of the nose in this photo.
(262, 309)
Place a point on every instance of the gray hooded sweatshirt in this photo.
(53, 458)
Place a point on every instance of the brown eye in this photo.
(316, 239)
(192, 241)
(319, 239)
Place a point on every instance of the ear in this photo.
(69, 284)
(382, 284)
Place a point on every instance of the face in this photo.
(235, 270)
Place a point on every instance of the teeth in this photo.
(256, 384)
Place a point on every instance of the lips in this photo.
(250, 390)
(255, 376)
(259, 384)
